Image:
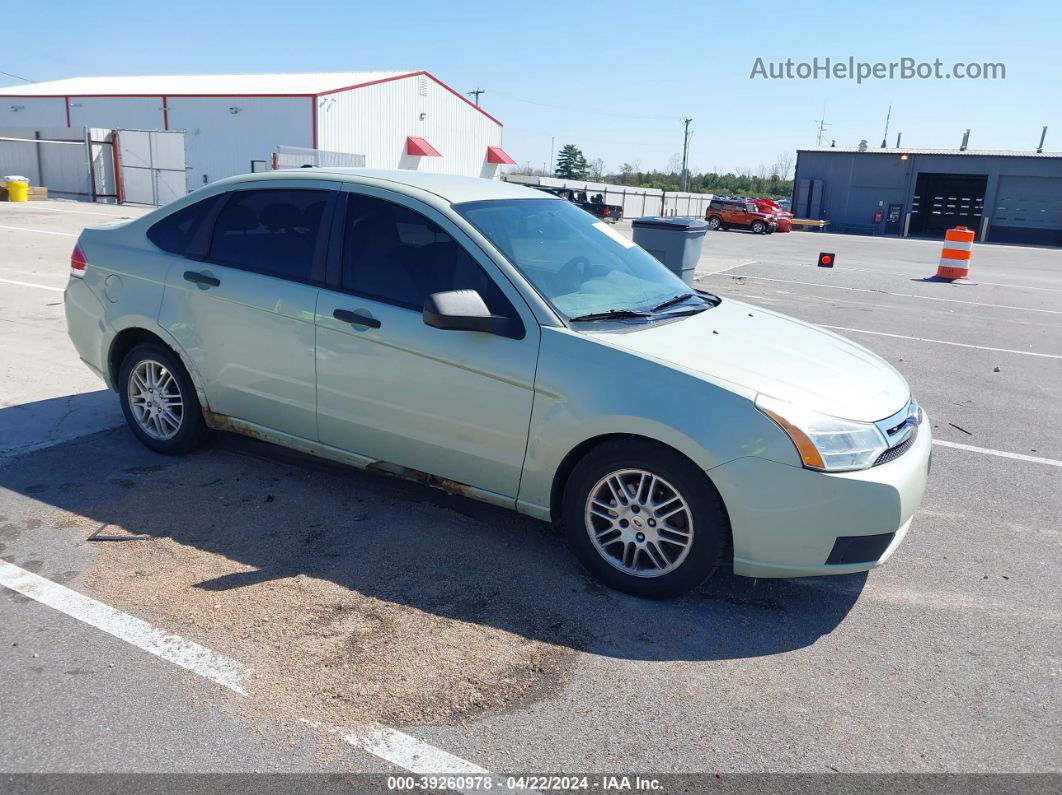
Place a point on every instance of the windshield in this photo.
(579, 264)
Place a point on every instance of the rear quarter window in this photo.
(175, 232)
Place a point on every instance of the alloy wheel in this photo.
(639, 523)
(155, 399)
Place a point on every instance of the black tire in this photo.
(715, 223)
(759, 227)
(711, 524)
(192, 430)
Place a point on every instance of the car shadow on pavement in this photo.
(271, 514)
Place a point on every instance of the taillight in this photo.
(77, 262)
(606, 211)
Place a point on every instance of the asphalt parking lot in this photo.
(320, 618)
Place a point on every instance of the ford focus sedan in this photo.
(508, 346)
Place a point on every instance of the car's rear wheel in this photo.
(714, 223)
(644, 519)
(759, 227)
(159, 400)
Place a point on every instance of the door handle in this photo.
(201, 278)
(353, 317)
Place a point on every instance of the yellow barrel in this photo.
(17, 190)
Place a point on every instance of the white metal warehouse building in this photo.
(234, 124)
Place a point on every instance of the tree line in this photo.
(773, 180)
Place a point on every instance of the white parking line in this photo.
(31, 284)
(37, 231)
(411, 754)
(941, 342)
(1035, 459)
(391, 745)
(886, 292)
(190, 656)
(915, 276)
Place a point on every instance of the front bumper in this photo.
(787, 521)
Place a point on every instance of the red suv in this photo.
(735, 213)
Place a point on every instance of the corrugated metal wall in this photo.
(62, 168)
(32, 112)
(224, 134)
(220, 143)
(133, 113)
(374, 121)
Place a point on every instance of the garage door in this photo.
(1028, 210)
(944, 201)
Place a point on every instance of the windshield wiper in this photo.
(678, 299)
(611, 314)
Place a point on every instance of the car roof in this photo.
(450, 187)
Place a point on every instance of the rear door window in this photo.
(396, 255)
(274, 232)
(175, 232)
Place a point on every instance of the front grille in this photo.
(905, 421)
(895, 452)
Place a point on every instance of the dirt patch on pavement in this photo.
(352, 599)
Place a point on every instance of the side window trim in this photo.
(204, 237)
(200, 245)
(319, 268)
(334, 262)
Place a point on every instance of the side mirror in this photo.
(465, 310)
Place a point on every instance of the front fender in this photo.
(586, 388)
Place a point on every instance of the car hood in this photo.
(773, 354)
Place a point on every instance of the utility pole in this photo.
(685, 152)
(475, 93)
(821, 136)
(886, 135)
(552, 156)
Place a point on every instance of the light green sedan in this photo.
(483, 338)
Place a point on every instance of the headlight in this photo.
(825, 443)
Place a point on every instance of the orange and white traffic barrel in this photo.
(955, 257)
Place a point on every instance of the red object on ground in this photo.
(420, 147)
(495, 154)
(783, 223)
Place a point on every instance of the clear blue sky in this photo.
(611, 76)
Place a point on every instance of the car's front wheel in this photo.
(759, 227)
(159, 400)
(714, 223)
(644, 519)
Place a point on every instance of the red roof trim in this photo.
(420, 148)
(427, 74)
(463, 98)
(495, 154)
(369, 83)
(145, 96)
